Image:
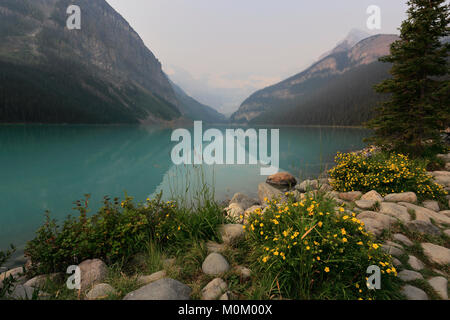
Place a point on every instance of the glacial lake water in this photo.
(44, 167)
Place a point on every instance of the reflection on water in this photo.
(48, 167)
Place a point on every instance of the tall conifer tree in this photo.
(418, 107)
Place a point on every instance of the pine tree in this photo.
(418, 108)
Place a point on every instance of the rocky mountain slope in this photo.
(337, 90)
(102, 73)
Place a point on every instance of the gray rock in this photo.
(350, 196)
(244, 272)
(423, 227)
(265, 190)
(447, 232)
(413, 293)
(215, 264)
(421, 214)
(372, 195)
(384, 219)
(16, 273)
(395, 211)
(431, 204)
(40, 281)
(143, 280)
(100, 291)
(308, 185)
(373, 226)
(21, 292)
(92, 272)
(224, 297)
(439, 284)
(425, 214)
(234, 211)
(214, 289)
(393, 250)
(215, 247)
(445, 157)
(442, 177)
(415, 263)
(445, 213)
(164, 289)
(401, 197)
(365, 204)
(436, 254)
(243, 200)
(232, 233)
(408, 275)
(403, 239)
(396, 262)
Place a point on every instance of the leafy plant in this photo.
(385, 173)
(311, 252)
(6, 283)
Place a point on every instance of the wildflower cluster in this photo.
(305, 244)
(385, 173)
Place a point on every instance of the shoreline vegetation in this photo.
(312, 239)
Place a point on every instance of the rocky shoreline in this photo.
(422, 263)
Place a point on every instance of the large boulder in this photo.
(413, 293)
(372, 195)
(143, 280)
(21, 292)
(395, 210)
(15, 273)
(441, 177)
(243, 201)
(425, 214)
(40, 281)
(393, 249)
(436, 254)
(403, 239)
(234, 211)
(232, 233)
(384, 219)
(431, 204)
(282, 180)
(92, 272)
(215, 264)
(408, 275)
(350, 196)
(365, 204)
(100, 291)
(373, 226)
(214, 289)
(439, 284)
(415, 263)
(423, 227)
(267, 192)
(309, 185)
(164, 289)
(401, 197)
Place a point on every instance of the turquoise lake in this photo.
(48, 167)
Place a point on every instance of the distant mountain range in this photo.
(336, 90)
(102, 73)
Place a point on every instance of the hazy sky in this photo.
(249, 42)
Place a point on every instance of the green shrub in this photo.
(118, 231)
(385, 173)
(6, 283)
(311, 252)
